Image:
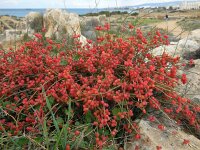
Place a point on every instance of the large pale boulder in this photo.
(170, 139)
(188, 45)
(172, 50)
(34, 21)
(195, 35)
(183, 48)
(2, 37)
(88, 25)
(59, 22)
(89, 34)
(12, 35)
(192, 88)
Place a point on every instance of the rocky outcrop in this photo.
(12, 35)
(188, 45)
(170, 139)
(187, 48)
(59, 22)
(11, 29)
(195, 35)
(2, 37)
(192, 88)
(34, 21)
(88, 25)
(172, 50)
(192, 54)
(192, 51)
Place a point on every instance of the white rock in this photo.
(61, 22)
(2, 37)
(83, 40)
(89, 34)
(34, 21)
(12, 34)
(172, 50)
(188, 45)
(192, 88)
(151, 137)
(88, 25)
(195, 35)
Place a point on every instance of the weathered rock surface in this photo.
(34, 21)
(188, 48)
(192, 89)
(191, 48)
(170, 139)
(192, 55)
(172, 50)
(188, 45)
(11, 28)
(89, 34)
(2, 37)
(195, 35)
(12, 35)
(59, 22)
(88, 25)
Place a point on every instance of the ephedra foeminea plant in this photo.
(88, 96)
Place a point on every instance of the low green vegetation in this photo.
(107, 13)
(147, 21)
(61, 95)
(190, 24)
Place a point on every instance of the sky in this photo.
(73, 3)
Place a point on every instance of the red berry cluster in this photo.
(111, 79)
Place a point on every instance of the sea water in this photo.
(80, 11)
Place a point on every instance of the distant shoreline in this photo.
(80, 11)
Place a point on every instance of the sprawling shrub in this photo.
(89, 95)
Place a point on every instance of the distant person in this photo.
(166, 17)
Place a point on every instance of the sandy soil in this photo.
(171, 26)
(185, 14)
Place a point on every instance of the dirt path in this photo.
(172, 27)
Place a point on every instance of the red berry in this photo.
(77, 132)
(185, 142)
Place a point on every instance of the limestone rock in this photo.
(59, 22)
(102, 17)
(83, 40)
(12, 35)
(34, 20)
(2, 37)
(170, 139)
(89, 34)
(188, 45)
(172, 50)
(88, 25)
(183, 48)
(195, 35)
(192, 88)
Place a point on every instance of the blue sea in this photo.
(80, 11)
